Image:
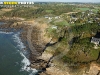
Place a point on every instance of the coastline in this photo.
(32, 36)
(24, 53)
(53, 42)
(18, 49)
(35, 60)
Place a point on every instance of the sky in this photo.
(56, 0)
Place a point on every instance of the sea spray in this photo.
(25, 62)
(21, 49)
(1, 32)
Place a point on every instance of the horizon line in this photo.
(50, 1)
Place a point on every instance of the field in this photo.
(49, 11)
(83, 9)
(2, 11)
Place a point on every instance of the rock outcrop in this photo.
(33, 36)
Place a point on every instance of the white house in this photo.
(95, 40)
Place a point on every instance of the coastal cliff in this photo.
(33, 36)
(44, 51)
(57, 36)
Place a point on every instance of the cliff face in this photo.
(37, 43)
(44, 58)
(33, 35)
(94, 69)
(43, 55)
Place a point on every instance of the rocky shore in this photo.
(33, 36)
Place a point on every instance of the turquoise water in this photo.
(12, 60)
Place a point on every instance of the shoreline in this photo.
(38, 59)
(20, 48)
(23, 53)
(41, 60)
(25, 37)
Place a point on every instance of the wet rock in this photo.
(37, 41)
(39, 64)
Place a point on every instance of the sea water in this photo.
(12, 55)
(1, 23)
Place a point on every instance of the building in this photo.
(95, 40)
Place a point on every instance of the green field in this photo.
(94, 10)
(62, 23)
(83, 9)
(49, 11)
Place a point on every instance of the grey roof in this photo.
(95, 40)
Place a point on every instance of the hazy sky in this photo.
(57, 0)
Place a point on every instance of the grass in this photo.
(49, 11)
(82, 51)
(62, 23)
(25, 12)
(94, 54)
(4, 10)
(95, 10)
(1, 12)
(59, 23)
(83, 9)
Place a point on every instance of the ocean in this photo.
(13, 59)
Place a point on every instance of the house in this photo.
(54, 27)
(46, 17)
(57, 17)
(95, 40)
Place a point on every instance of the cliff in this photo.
(48, 53)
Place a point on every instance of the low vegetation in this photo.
(71, 32)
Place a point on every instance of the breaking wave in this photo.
(1, 32)
(25, 62)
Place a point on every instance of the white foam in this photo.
(25, 62)
(1, 32)
(18, 40)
